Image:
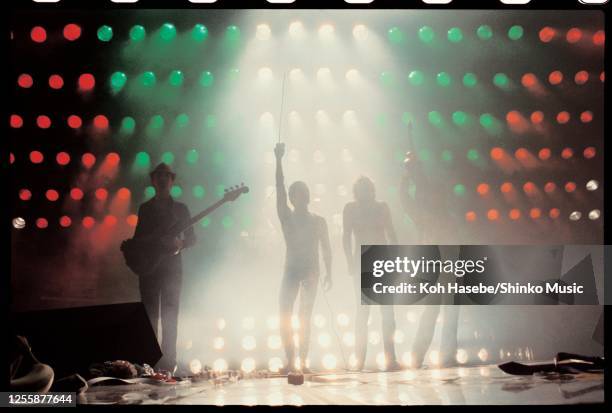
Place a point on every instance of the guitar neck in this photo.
(199, 216)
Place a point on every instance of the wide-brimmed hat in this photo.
(163, 167)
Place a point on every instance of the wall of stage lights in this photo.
(251, 344)
(520, 138)
(506, 114)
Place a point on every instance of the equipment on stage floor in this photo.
(144, 254)
(71, 339)
(564, 363)
(295, 378)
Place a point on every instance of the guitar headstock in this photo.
(233, 192)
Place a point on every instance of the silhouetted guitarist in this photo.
(160, 291)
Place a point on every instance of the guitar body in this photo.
(144, 256)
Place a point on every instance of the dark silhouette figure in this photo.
(160, 291)
(425, 203)
(304, 234)
(369, 222)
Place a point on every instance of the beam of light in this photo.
(427, 34)
(455, 35)
(343, 320)
(248, 365)
(348, 339)
(434, 358)
(547, 34)
(484, 32)
(266, 121)
(381, 361)
(407, 359)
(19, 223)
(275, 364)
(329, 362)
(324, 340)
(462, 356)
(195, 366)
(248, 323)
(249, 343)
(395, 35)
(360, 32)
(296, 75)
(265, 74)
(324, 75)
(526, 158)
(349, 118)
(322, 118)
(326, 32)
(273, 322)
(575, 216)
(374, 338)
(296, 30)
(517, 122)
(218, 343)
(592, 185)
(221, 324)
(274, 342)
(353, 77)
(105, 33)
(263, 32)
(594, 214)
(220, 365)
(319, 321)
(199, 33)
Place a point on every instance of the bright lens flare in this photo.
(248, 365)
(195, 366)
(220, 365)
(329, 361)
(360, 32)
(263, 32)
(296, 30)
(326, 32)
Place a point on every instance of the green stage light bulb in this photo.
(176, 78)
(455, 35)
(516, 32)
(199, 33)
(485, 32)
(105, 33)
(167, 32)
(148, 79)
(117, 81)
(137, 33)
(426, 34)
(443, 79)
(416, 77)
(395, 35)
(470, 80)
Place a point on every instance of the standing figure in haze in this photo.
(161, 291)
(369, 222)
(304, 234)
(425, 204)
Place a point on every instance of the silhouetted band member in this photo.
(369, 222)
(424, 201)
(304, 234)
(160, 291)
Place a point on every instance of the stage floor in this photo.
(452, 386)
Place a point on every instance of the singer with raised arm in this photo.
(304, 233)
